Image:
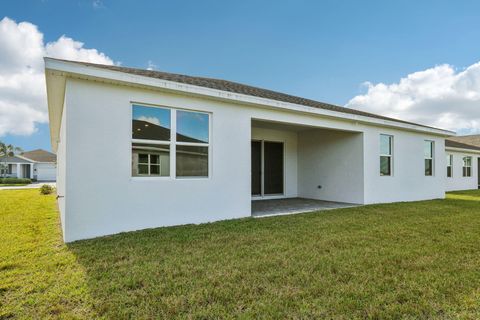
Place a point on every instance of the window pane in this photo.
(192, 161)
(469, 172)
(273, 167)
(428, 167)
(143, 158)
(159, 159)
(154, 158)
(428, 149)
(150, 123)
(143, 169)
(385, 144)
(449, 172)
(155, 169)
(192, 127)
(385, 166)
(256, 167)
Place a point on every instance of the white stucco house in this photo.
(37, 165)
(463, 164)
(141, 149)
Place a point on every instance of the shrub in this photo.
(15, 181)
(46, 189)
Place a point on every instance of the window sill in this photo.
(150, 178)
(167, 178)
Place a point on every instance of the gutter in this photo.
(462, 150)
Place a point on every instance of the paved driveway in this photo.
(30, 186)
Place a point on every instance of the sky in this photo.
(414, 60)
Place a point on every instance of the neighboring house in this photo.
(140, 149)
(472, 140)
(37, 164)
(463, 163)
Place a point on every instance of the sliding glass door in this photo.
(267, 168)
(256, 168)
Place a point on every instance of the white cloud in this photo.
(98, 4)
(151, 65)
(22, 81)
(440, 96)
(153, 120)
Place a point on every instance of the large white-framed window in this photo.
(467, 166)
(386, 155)
(170, 142)
(429, 152)
(449, 165)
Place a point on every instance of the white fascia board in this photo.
(462, 150)
(130, 79)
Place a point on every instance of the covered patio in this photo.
(273, 207)
(298, 168)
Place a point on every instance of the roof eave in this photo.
(462, 150)
(55, 98)
(83, 71)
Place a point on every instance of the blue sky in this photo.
(323, 50)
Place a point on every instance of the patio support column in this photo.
(31, 170)
(19, 166)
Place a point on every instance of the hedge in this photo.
(14, 181)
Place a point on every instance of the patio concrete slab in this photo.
(266, 208)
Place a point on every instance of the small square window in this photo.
(150, 160)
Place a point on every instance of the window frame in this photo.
(467, 167)
(450, 165)
(193, 144)
(432, 150)
(390, 156)
(172, 143)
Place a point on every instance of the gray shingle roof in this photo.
(460, 145)
(13, 159)
(235, 87)
(473, 140)
(40, 155)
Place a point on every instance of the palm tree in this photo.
(7, 150)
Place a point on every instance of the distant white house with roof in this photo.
(141, 149)
(463, 162)
(37, 164)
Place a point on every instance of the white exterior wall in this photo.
(62, 161)
(458, 181)
(333, 160)
(289, 139)
(408, 182)
(102, 198)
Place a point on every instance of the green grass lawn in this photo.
(404, 260)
